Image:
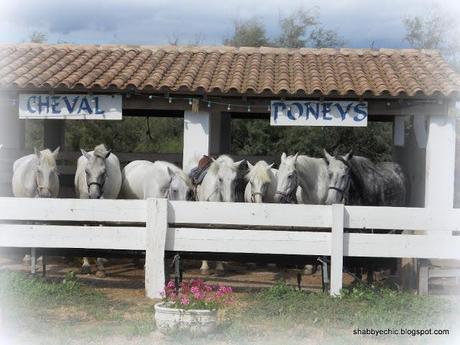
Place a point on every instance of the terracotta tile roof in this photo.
(228, 70)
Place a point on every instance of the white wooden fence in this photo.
(156, 225)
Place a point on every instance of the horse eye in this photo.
(221, 179)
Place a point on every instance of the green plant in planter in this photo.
(191, 308)
(196, 294)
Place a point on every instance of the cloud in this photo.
(152, 21)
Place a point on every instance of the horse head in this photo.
(45, 171)
(338, 169)
(259, 177)
(226, 171)
(287, 179)
(96, 170)
(180, 186)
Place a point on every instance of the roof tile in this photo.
(228, 70)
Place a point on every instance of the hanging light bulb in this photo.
(229, 108)
(249, 108)
(189, 101)
(268, 108)
(209, 104)
(150, 96)
(170, 100)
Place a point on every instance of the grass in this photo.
(56, 312)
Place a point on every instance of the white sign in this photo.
(70, 107)
(315, 113)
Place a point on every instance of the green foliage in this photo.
(294, 28)
(16, 288)
(38, 37)
(359, 306)
(128, 135)
(33, 134)
(257, 137)
(324, 38)
(250, 33)
(437, 30)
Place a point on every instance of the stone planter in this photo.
(194, 321)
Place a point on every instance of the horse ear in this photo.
(170, 172)
(327, 156)
(56, 152)
(349, 155)
(108, 154)
(37, 153)
(86, 154)
(283, 157)
(271, 165)
(237, 164)
(295, 156)
(250, 166)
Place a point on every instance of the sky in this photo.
(358, 22)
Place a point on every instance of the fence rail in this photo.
(158, 225)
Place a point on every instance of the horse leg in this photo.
(370, 274)
(204, 269)
(308, 270)
(100, 269)
(220, 270)
(86, 267)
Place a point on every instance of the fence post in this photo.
(156, 227)
(337, 249)
(423, 268)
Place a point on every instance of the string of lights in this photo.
(209, 104)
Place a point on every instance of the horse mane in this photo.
(100, 151)
(361, 167)
(48, 157)
(222, 160)
(261, 171)
(179, 172)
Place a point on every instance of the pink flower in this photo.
(199, 295)
(184, 300)
(171, 285)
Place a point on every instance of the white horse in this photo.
(36, 176)
(98, 176)
(261, 186)
(309, 173)
(305, 179)
(219, 185)
(144, 179)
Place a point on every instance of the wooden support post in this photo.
(337, 249)
(44, 266)
(33, 260)
(439, 178)
(440, 163)
(196, 138)
(423, 266)
(399, 130)
(156, 227)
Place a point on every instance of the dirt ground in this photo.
(124, 278)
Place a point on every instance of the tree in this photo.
(294, 29)
(38, 37)
(434, 31)
(323, 38)
(249, 33)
